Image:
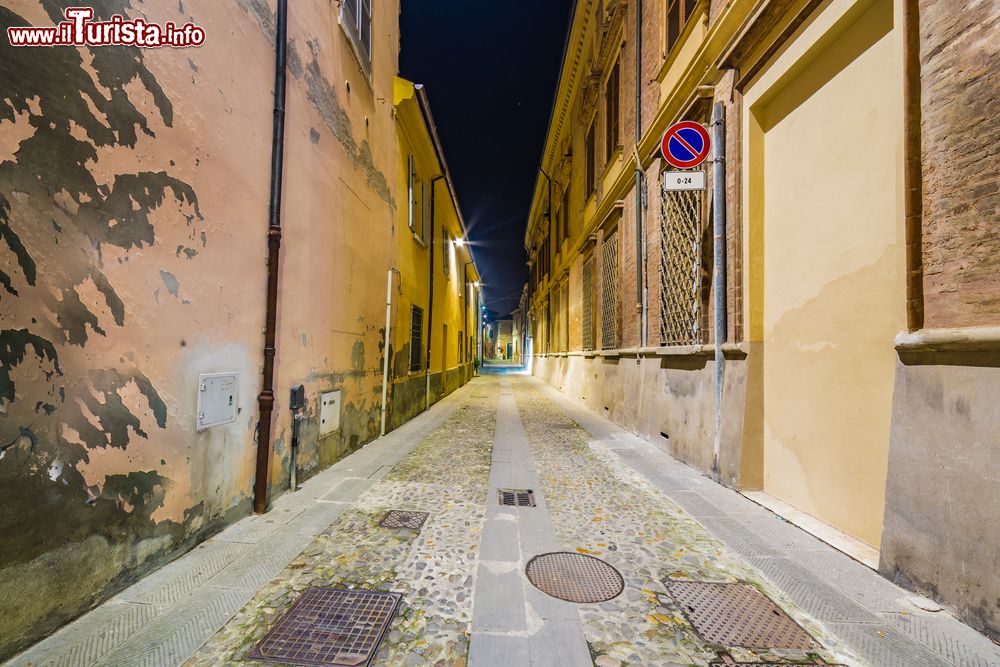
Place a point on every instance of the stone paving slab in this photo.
(188, 609)
(886, 630)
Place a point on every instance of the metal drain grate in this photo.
(737, 615)
(403, 519)
(329, 626)
(516, 497)
(574, 577)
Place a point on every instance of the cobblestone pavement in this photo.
(465, 598)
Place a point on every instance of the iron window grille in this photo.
(680, 267)
(588, 304)
(416, 337)
(356, 17)
(609, 292)
(564, 329)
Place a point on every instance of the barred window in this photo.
(587, 303)
(416, 338)
(680, 267)
(609, 292)
(461, 351)
(564, 316)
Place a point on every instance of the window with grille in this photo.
(416, 338)
(564, 316)
(461, 351)
(609, 292)
(680, 267)
(611, 91)
(591, 158)
(556, 335)
(678, 14)
(356, 17)
(588, 304)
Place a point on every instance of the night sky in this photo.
(490, 70)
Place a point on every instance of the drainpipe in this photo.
(913, 169)
(265, 401)
(430, 303)
(719, 260)
(385, 345)
(640, 226)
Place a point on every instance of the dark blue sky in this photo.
(490, 69)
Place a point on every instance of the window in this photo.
(565, 213)
(556, 321)
(461, 352)
(588, 304)
(356, 17)
(591, 150)
(611, 91)
(609, 292)
(416, 337)
(471, 348)
(444, 347)
(411, 193)
(678, 13)
(565, 316)
(446, 253)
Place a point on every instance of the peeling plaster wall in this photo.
(133, 214)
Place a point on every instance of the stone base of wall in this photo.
(940, 534)
(408, 396)
(668, 400)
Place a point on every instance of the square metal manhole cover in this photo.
(516, 497)
(403, 519)
(329, 626)
(737, 615)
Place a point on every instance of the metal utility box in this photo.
(217, 399)
(329, 412)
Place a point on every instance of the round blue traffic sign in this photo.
(685, 144)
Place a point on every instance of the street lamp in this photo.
(459, 241)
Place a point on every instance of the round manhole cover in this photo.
(574, 577)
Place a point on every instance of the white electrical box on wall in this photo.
(217, 399)
(329, 413)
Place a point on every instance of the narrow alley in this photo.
(460, 569)
(560, 333)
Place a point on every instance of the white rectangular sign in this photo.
(683, 180)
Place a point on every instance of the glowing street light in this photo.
(459, 241)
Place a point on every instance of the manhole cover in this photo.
(737, 615)
(574, 577)
(516, 497)
(329, 626)
(403, 519)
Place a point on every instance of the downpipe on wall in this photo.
(385, 345)
(719, 261)
(265, 401)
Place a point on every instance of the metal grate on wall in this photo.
(609, 292)
(565, 316)
(588, 304)
(680, 267)
(416, 337)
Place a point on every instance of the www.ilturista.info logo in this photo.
(79, 30)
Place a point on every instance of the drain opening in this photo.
(737, 615)
(330, 627)
(516, 497)
(403, 519)
(574, 577)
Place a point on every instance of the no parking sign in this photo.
(685, 144)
